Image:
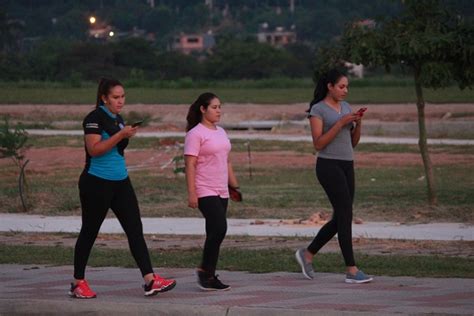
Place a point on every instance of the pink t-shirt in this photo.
(211, 147)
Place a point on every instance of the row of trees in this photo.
(315, 21)
(55, 60)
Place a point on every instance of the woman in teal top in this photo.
(105, 184)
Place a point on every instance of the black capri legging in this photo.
(337, 179)
(214, 209)
(97, 196)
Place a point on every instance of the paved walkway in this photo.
(39, 289)
(270, 227)
(267, 136)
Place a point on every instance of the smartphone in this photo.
(361, 111)
(138, 123)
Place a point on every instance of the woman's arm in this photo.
(97, 147)
(320, 140)
(355, 133)
(190, 170)
(232, 178)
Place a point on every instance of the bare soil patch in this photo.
(57, 158)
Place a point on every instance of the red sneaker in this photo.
(81, 290)
(158, 285)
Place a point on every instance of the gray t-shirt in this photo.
(341, 145)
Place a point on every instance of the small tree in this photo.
(433, 43)
(12, 145)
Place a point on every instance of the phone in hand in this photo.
(361, 111)
(138, 123)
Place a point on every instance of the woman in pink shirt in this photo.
(209, 175)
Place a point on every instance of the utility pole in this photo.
(292, 6)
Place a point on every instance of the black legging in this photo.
(337, 179)
(214, 209)
(97, 196)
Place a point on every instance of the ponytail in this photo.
(105, 85)
(321, 90)
(194, 116)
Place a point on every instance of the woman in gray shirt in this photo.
(336, 131)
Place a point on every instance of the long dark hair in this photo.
(105, 84)
(194, 116)
(321, 90)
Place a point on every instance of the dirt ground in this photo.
(48, 159)
(231, 113)
(178, 243)
(171, 118)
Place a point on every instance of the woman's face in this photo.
(213, 112)
(339, 90)
(115, 100)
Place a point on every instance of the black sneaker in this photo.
(211, 283)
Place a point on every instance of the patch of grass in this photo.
(462, 114)
(36, 125)
(464, 149)
(264, 145)
(134, 116)
(387, 148)
(402, 192)
(381, 194)
(358, 94)
(242, 145)
(44, 116)
(257, 261)
(38, 141)
(53, 193)
(406, 94)
(396, 194)
(154, 143)
(186, 83)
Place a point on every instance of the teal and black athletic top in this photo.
(110, 165)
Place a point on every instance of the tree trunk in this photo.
(422, 141)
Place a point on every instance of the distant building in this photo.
(108, 33)
(189, 43)
(103, 33)
(357, 70)
(368, 23)
(278, 37)
(28, 44)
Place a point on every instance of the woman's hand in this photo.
(128, 131)
(192, 200)
(348, 118)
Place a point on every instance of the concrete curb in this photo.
(240, 227)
